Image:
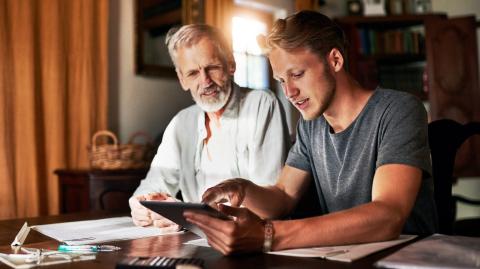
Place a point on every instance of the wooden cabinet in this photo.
(110, 189)
(73, 190)
(84, 190)
(431, 56)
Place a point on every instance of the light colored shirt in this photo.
(256, 150)
(215, 160)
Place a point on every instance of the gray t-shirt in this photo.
(391, 128)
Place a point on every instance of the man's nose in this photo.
(290, 90)
(205, 79)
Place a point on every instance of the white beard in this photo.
(219, 102)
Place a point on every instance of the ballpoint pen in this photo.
(336, 252)
(87, 248)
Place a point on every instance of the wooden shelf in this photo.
(391, 21)
(394, 58)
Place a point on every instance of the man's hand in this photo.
(243, 234)
(142, 216)
(231, 190)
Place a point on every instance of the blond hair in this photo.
(306, 29)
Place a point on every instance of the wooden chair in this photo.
(445, 138)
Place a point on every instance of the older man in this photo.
(229, 132)
(365, 149)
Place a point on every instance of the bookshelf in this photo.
(388, 50)
(429, 55)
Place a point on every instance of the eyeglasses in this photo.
(32, 257)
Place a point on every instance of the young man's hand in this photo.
(231, 190)
(142, 216)
(244, 233)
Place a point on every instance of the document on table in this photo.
(97, 231)
(347, 253)
(436, 251)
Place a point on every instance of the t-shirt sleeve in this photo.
(298, 155)
(404, 137)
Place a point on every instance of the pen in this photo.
(87, 248)
(336, 252)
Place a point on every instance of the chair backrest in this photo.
(445, 138)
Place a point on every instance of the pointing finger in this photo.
(232, 211)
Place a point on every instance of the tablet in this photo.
(174, 212)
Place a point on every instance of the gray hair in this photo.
(191, 34)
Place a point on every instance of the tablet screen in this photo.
(174, 212)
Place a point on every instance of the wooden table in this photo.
(167, 245)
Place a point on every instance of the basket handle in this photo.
(147, 137)
(104, 133)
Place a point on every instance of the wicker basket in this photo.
(120, 156)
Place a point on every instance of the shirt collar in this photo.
(231, 109)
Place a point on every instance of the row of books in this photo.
(409, 77)
(406, 77)
(390, 42)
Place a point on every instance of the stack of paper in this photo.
(97, 231)
(347, 253)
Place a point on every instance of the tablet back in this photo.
(174, 212)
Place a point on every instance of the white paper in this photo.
(346, 253)
(97, 231)
(436, 251)
(202, 242)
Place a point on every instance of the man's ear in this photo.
(232, 66)
(335, 60)
(180, 78)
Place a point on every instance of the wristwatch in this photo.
(268, 239)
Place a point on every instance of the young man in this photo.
(229, 132)
(366, 150)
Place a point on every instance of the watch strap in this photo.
(268, 236)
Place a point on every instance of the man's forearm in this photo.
(267, 202)
(366, 223)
